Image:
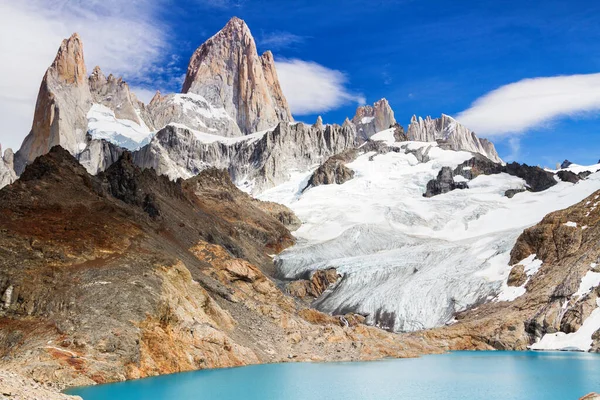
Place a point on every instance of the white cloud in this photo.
(530, 103)
(279, 40)
(119, 36)
(311, 88)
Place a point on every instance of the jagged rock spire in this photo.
(69, 65)
(227, 71)
(62, 104)
(372, 119)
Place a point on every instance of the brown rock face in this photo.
(315, 286)
(227, 71)
(62, 105)
(517, 276)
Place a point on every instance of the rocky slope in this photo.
(14, 386)
(127, 274)
(227, 71)
(450, 134)
(550, 297)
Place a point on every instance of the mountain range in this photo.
(209, 229)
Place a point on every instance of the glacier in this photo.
(409, 262)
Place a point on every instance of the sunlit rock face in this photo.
(228, 72)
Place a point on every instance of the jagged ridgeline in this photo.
(231, 114)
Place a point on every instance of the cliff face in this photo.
(372, 119)
(258, 161)
(227, 71)
(127, 274)
(62, 104)
(450, 134)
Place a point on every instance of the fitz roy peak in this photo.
(227, 71)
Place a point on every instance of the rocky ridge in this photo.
(451, 135)
(257, 162)
(536, 179)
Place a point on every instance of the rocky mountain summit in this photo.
(372, 119)
(227, 71)
(63, 101)
(230, 98)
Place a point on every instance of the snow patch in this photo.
(589, 281)
(576, 341)
(571, 224)
(102, 124)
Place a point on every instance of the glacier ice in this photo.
(410, 262)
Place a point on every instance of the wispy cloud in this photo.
(311, 88)
(530, 103)
(122, 37)
(279, 40)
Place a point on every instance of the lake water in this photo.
(459, 375)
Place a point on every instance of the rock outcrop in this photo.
(7, 172)
(128, 274)
(451, 135)
(536, 179)
(227, 71)
(257, 162)
(315, 285)
(334, 170)
(63, 101)
(444, 183)
(372, 119)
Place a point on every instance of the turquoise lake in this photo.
(459, 375)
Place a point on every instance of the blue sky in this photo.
(426, 57)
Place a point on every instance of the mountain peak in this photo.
(372, 119)
(69, 65)
(236, 24)
(228, 73)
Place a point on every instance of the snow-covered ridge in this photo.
(411, 262)
(102, 124)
